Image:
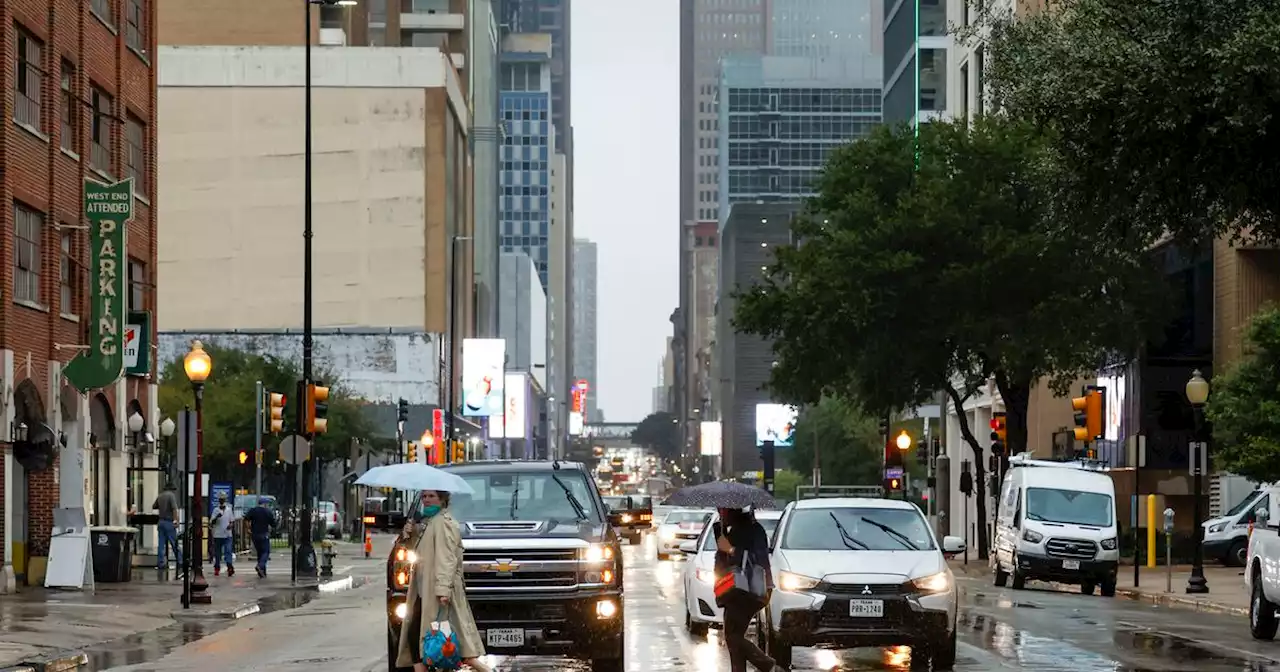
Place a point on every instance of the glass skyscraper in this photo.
(525, 107)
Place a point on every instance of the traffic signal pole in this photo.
(766, 456)
(304, 559)
(257, 439)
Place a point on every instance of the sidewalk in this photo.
(45, 629)
(1228, 594)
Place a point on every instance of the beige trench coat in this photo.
(439, 574)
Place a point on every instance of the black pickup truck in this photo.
(630, 515)
(542, 564)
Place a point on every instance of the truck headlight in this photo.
(597, 553)
(626, 518)
(793, 583)
(1214, 529)
(1031, 536)
(934, 583)
(402, 578)
(406, 556)
(402, 610)
(1109, 544)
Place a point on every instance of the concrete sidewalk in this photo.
(1228, 594)
(43, 629)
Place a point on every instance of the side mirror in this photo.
(1261, 516)
(952, 545)
(689, 547)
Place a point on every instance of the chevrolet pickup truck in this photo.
(542, 564)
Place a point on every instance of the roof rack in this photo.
(828, 491)
(1025, 460)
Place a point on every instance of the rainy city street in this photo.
(999, 629)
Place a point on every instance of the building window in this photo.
(135, 25)
(27, 79)
(70, 111)
(135, 141)
(102, 8)
(27, 225)
(137, 285)
(70, 273)
(100, 130)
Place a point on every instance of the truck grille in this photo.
(525, 569)
(1082, 549)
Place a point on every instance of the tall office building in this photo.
(585, 344)
(552, 18)
(915, 65)
(528, 148)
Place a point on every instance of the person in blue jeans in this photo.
(220, 524)
(166, 506)
(260, 523)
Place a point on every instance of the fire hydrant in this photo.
(327, 554)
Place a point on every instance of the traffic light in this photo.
(1088, 415)
(999, 434)
(244, 457)
(275, 412)
(317, 408)
(892, 455)
(402, 411)
(893, 484)
(459, 452)
(923, 454)
(411, 452)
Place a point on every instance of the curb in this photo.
(56, 663)
(1170, 600)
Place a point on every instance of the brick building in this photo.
(79, 85)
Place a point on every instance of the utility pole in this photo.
(817, 454)
(257, 439)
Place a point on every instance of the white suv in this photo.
(853, 572)
(700, 610)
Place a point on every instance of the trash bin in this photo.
(112, 553)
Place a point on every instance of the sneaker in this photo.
(231, 571)
(217, 571)
(262, 573)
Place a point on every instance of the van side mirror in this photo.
(689, 547)
(952, 545)
(1261, 516)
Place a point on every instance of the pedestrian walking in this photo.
(739, 537)
(260, 523)
(166, 506)
(220, 524)
(436, 591)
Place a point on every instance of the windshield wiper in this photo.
(898, 536)
(573, 501)
(845, 537)
(515, 493)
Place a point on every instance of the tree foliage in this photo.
(848, 441)
(659, 432)
(1166, 109)
(912, 279)
(1244, 406)
(229, 406)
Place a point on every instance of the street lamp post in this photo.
(904, 444)
(1198, 394)
(136, 422)
(197, 365)
(167, 428)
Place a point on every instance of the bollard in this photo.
(1151, 531)
(1168, 550)
(368, 544)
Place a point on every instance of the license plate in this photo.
(1071, 564)
(866, 608)
(504, 637)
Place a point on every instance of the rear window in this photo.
(676, 517)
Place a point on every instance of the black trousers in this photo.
(737, 616)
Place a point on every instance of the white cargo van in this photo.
(1056, 521)
(1226, 538)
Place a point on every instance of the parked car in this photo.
(328, 514)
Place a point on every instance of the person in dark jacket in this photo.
(739, 536)
(261, 521)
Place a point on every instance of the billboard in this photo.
(482, 380)
(575, 423)
(710, 439)
(776, 423)
(510, 425)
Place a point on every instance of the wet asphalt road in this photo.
(1000, 629)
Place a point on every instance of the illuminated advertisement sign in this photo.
(482, 378)
(510, 425)
(710, 439)
(776, 423)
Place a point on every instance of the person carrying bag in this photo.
(743, 585)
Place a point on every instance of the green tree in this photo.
(944, 275)
(1244, 405)
(229, 404)
(785, 482)
(659, 432)
(1166, 109)
(848, 441)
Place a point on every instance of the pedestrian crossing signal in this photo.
(244, 457)
(893, 484)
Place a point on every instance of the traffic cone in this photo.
(368, 543)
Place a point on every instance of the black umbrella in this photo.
(722, 495)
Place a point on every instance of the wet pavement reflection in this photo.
(999, 629)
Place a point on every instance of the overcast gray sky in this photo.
(626, 119)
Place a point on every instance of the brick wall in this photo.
(43, 176)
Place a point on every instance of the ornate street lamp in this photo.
(1198, 395)
(198, 365)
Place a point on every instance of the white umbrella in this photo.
(414, 476)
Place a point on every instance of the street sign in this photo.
(294, 449)
(186, 455)
(1198, 458)
(893, 472)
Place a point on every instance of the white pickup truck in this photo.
(1262, 573)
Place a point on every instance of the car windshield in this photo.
(1074, 507)
(644, 503)
(529, 495)
(616, 503)
(1241, 505)
(769, 525)
(857, 529)
(328, 507)
(677, 517)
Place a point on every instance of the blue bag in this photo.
(440, 645)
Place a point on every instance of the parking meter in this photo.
(1168, 521)
(1168, 550)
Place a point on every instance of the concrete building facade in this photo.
(80, 103)
(586, 347)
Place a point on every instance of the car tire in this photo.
(1262, 613)
(1237, 554)
(1087, 587)
(1019, 579)
(999, 576)
(393, 652)
(694, 628)
(776, 648)
(616, 663)
(1109, 588)
(944, 657)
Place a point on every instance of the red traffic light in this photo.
(244, 457)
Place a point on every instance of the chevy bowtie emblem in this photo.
(866, 590)
(503, 566)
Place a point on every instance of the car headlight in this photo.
(792, 582)
(668, 533)
(626, 518)
(705, 575)
(1031, 536)
(406, 556)
(597, 553)
(934, 583)
(1214, 529)
(1109, 544)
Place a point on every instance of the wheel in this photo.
(694, 628)
(1019, 579)
(393, 651)
(1237, 554)
(663, 556)
(999, 576)
(1262, 613)
(1109, 588)
(776, 648)
(1086, 588)
(633, 538)
(944, 657)
(607, 665)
